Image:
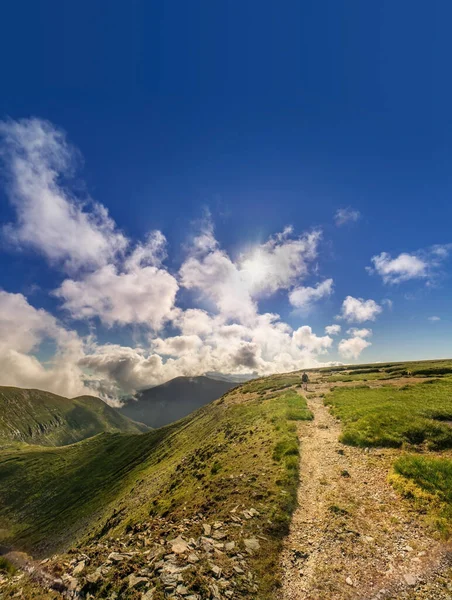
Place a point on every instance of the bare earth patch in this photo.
(352, 537)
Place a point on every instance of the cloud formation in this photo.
(205, 315)
(51, 220)
(352, 347)
(346, 215)
(304, 298)
(359, 310)
(233, 287)
(23, 329)
(423, 264)
(333, 329)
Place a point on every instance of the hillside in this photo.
(228, 473)
(173, 400)
(42, 418)
(269, 492)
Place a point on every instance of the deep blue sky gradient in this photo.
(268, 114)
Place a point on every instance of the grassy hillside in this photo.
(372, 372)
(173, 400)
(42, 418)
(392, 416)
(407, 412)
(233, 464)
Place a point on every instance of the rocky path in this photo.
(352, 537)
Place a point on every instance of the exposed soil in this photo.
(352, 537)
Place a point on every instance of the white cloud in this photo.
(304, 297)
(352, 347)
(359, 310)
(434, 318)
(333, 329)
(76, 233)
(423, 264)
(233, 287)
(178, 345)
(305, 338)
(346, 215)
(404, 267)
(362, 333)
(387, 302)
(22, 330)
(144, 295)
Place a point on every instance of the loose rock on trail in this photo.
(352, 537)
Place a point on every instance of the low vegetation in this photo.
(427, 481)
(239, 452)
(42, 418)
(394, 416)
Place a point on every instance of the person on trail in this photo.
(305, 381)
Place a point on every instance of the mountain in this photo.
(42, 418)
(174, 399)
(127, 512)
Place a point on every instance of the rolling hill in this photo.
(232, 463)
(41, 418)
(173, 400)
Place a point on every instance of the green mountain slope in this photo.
(42, 418)
(233, 463)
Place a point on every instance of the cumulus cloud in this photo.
(346, 215)
(422, 264)
(50, 219)
(333, 329)
(22, 330)
(233, 287)
(359, 310)
(143, 295)
(434, 318)
(362, 333)
(352, 347)
(303, 298)
(306, 338)
(403, 267)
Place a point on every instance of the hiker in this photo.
(304, 381)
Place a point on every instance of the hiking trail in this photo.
(351, 536)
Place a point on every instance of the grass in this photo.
(374, 372)
(393, 417)
(42, 418)
(241, 449)
(427, 481)
(354, 376)
(268, 384)
(6, 567)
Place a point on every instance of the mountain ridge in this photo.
(173, 400)
(42, 418)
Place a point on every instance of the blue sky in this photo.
(234, 132)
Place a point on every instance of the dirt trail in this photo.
(351, 537)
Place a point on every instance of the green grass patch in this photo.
(390, 416)
(7, 567)
(297, 409)
(354, 376)
(427, 482)
(269, 384)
